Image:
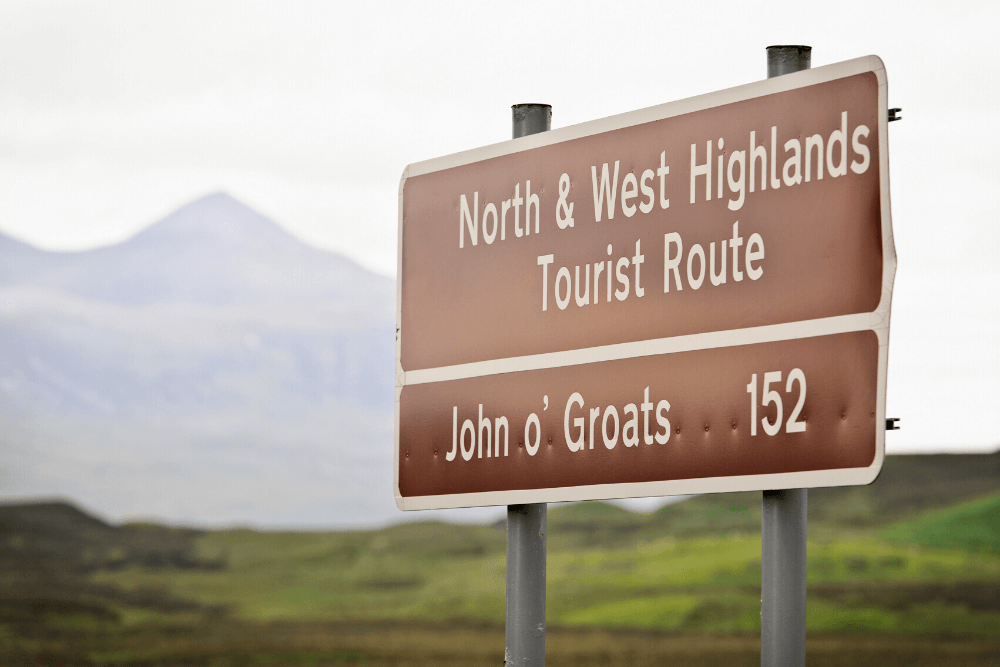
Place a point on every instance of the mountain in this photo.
(215, 252)
(212, 368)
(170, 320)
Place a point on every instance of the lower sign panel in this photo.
(623, 428)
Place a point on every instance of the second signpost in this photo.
(784, 527)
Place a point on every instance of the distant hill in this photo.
(212, 368)
(909, 486)
(50, 548)
(59, 531)
(973, 525)
(57, 535)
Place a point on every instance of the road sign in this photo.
(688, 298)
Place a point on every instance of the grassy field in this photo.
(906, 571)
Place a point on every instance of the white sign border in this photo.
(877, 320)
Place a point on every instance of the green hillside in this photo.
(916, 554)
(908, 487)
(972, 525)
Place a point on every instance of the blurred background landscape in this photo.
(197, 311)
(215, 370)
(903, 572)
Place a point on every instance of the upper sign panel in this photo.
(755, 206)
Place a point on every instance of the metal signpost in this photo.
(784, 512)
(690, 298)
(524, 639)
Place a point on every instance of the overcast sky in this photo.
(112, 114)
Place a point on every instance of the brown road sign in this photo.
(672, 418)
(677, 248)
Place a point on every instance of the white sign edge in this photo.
(879, 317)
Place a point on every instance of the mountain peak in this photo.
(215, 251)
(217, 219)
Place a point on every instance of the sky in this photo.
(113, 114)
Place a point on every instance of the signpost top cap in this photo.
(788, 58)
(530, 118)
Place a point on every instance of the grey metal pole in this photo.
(783, 513)
(783, 579)
(526, 524)
(525, 636)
